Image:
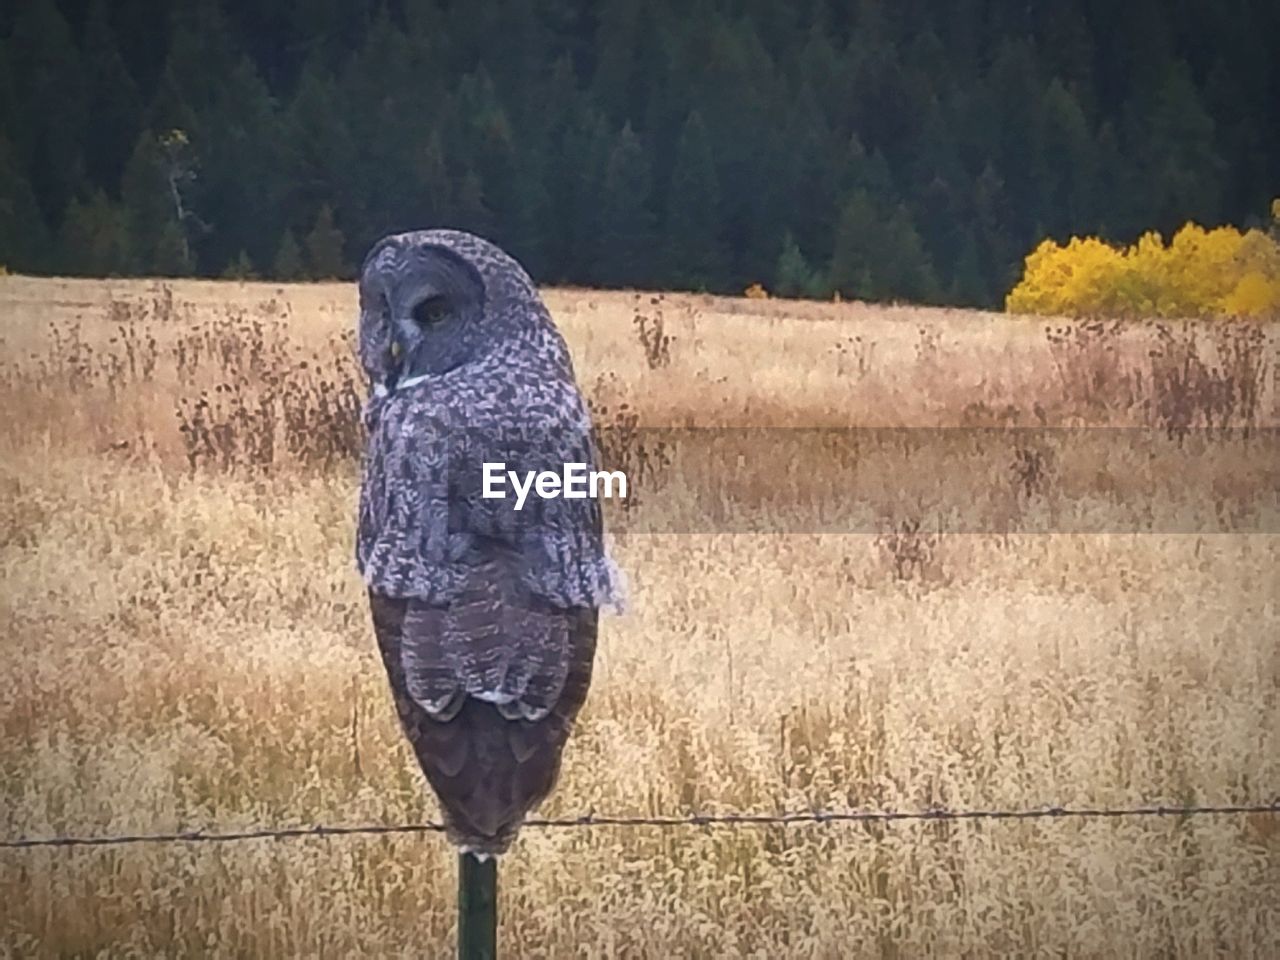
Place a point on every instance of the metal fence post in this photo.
(477, 907)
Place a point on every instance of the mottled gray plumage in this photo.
(485, 616)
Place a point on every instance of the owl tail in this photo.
(488, 772)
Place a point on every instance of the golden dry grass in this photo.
(187, 647)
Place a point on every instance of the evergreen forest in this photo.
(884, 150)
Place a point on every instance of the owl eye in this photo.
(430, 311)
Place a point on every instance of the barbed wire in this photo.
(689, 820)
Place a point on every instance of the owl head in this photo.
(422, 308)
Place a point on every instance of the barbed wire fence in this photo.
(590, 820)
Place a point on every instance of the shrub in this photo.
(1199, 273)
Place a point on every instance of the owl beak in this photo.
(405, 336)
(405, 339)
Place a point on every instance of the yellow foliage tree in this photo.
(1218, 272)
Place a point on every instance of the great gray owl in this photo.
(485, 615)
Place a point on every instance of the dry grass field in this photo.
(1047, 576)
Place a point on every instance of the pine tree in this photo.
(1117, 208)
(1175, 165)
(968, 288)
(560, 181)
(95, 240)
(24, 237)
(1067, 49)
(431, 183)
(693, 254)
(999, 254)
(115, 110)
(379, 105)
(810, 173)
(626, 238)
(619, 83)
(238, 188)
(48, 125)
(1015, 128)
(202, 52)
(579, 189)
(515, 197)
(171, 255)
(319, 28)
(326, 259)
(287, 264)
(470, 209)
(734, 97)
(793, 276)
(240, 268)
(878, 254)
(937, 186)
(1070, 163)
(158, 234)
(855, 249)
(319, 154)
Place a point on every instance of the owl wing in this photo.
(424, 518)
(488, 768)
(485, 615)
(504, 634)
(494, 641)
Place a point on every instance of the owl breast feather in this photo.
(424, 522)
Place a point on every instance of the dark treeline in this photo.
(883, 149)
